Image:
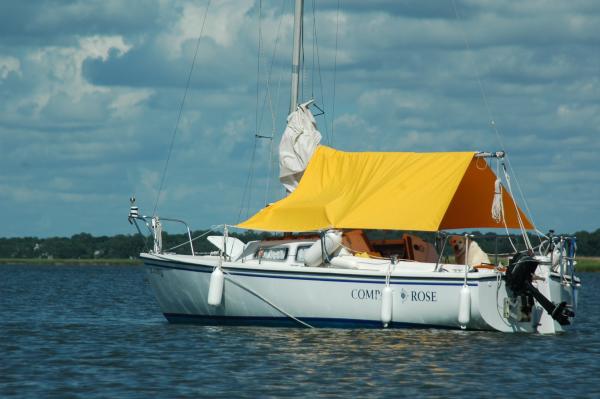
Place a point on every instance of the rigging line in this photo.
(267, 186)
(521, 224)
(273, 116)
(187, 242)
(267, 96)
(479, 82)
(274, 161)
(247, 193)
(281, 310)
(270, 163)
(319, 69)
(258, 64)
(282, 73)
(502, 211)
(251, 180)
(302, 68)
(247, 185)
(312, 74)
(522, 195)
(337, 25)
(187, 87)
(489, 112)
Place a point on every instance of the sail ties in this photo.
(497, 204)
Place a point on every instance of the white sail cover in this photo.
(298, 143)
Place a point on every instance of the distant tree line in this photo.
(588, 244)
(86, 246)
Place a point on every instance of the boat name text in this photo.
(418, 296)
(411, 295)
(359, 293)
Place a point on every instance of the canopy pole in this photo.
(443, 235)
(484, 154)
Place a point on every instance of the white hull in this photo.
(328, 297)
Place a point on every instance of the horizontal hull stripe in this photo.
(287, 322)
(374, 280)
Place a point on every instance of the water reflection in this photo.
(97, 332)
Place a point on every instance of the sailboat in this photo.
(325, 270)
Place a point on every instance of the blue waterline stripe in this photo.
(375, 280)
(287, 322)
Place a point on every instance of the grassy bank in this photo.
(588, 264)
(74, 262)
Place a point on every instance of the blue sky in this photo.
(90, 92)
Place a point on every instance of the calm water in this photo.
(98, 332)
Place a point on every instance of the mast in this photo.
(298, 15)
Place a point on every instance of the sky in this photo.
(91, 92)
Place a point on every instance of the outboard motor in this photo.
(519, 275)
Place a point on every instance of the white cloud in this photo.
(129, 104)
(9, 65)
(223, 25)
(405, 81)
(63, 65)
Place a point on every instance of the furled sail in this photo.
(298, 143)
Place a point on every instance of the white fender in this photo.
(215, 289)
(313, 256)
(386, 305)
(464, 307)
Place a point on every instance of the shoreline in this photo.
(584, 263)
(588, 264)
(70, 262)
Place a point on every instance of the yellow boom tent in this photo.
(389, 191)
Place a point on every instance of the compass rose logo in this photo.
(403, 295)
